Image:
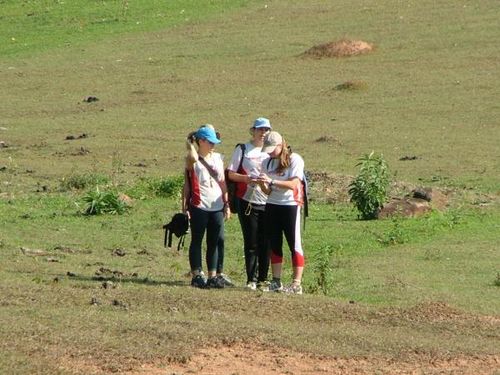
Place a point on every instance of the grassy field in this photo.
(428, 93)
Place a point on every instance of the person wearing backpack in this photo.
(244, 169)
(206, 204)
(282, 179)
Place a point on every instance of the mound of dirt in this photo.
(340, 48)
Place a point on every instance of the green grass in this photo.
(36, 26)
(158, 73)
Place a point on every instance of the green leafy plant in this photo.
(368, 191)
(395, 235)
(170, 187)
(98, 202)
(322, 268)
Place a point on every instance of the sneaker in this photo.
(275, 286)
(215, 282)
(225, 279)
(199, 281)
(293, 289)
(263, 286)
(251, 285)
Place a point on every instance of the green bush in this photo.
(368, 191)
(98, 202)
(170, 187)
(322, 269)
(83, 181)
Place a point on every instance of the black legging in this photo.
(284, 220)
(256, 244)
(213, 223)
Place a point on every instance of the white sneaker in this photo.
(293, 289)
(251, 285)
(263, 286)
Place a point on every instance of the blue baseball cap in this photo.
(261, 122)
(207, 133)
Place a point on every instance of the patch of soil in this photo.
(340, 48)
(328, 188)
(245, 359)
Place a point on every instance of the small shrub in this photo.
(170, 187)
(497, 280)
(322, 269)
(368, 191)
(83, 181)
(395, 235)
(98, 202)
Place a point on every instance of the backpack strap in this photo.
(305, 193)
(181, 242)
(212, 172)
(166, 235)
(243, 148)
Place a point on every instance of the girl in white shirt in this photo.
(282, 178)
(245, 168)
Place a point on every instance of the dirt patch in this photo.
(256, 359)
(328, 188)
(340, 48)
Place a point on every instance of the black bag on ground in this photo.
(179, 225)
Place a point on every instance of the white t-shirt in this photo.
(206, 192)
(280, 196)
(251, 166)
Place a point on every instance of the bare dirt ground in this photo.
(251, 359)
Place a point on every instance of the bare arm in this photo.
(267, 184)
(237, 177)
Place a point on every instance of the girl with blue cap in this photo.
(206, 204)
(244, 169)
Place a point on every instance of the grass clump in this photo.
(83, 181)
(163, 187)
(368, 191)
(322, 269)
(170, 187)
(99, 202)
(395, 235)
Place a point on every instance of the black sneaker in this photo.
(215, 282)
(199, 281)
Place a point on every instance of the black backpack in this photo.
(179, 225)
(231, 185)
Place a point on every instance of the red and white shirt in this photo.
(251, 166)
(206, 192)
(280, 196)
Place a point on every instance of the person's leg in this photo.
(199, 219)
(263, 247)
(220, 251)
(198, 226)
(274, 233)
(248, 225)
(294, 240)
(214, 226)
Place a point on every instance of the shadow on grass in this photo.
(126, 279)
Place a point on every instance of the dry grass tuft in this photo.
(340, 48)
(351, 86)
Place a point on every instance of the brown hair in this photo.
(284, 157)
